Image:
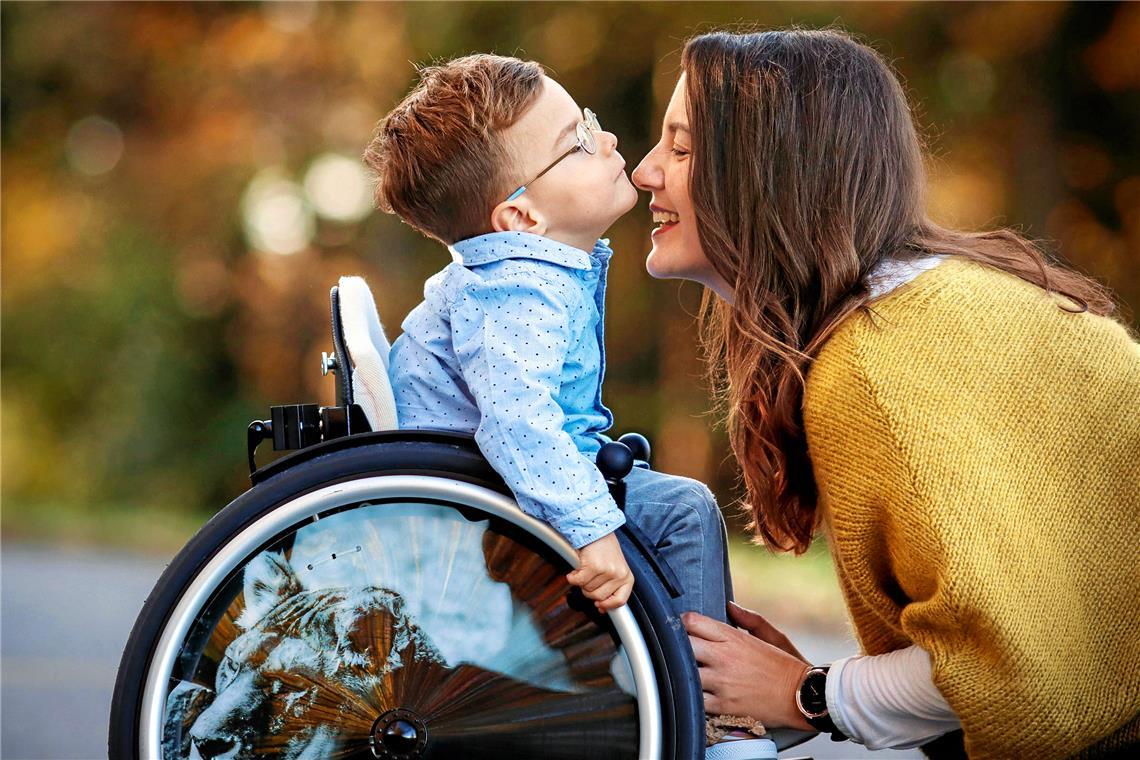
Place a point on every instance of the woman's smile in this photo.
(664, 219)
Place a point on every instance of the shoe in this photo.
(731, 748)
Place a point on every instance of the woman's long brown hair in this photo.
(806, 172)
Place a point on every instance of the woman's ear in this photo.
(517, 216)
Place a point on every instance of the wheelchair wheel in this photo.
(383, 596)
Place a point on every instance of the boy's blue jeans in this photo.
(680, 516)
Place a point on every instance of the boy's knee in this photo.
(675, 500)
(702, 501)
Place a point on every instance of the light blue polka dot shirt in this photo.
(508, 344)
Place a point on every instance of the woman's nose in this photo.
(648, 174)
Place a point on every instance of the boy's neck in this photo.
(582, 243)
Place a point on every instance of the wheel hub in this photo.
(398, 734)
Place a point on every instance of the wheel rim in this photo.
(321, 637)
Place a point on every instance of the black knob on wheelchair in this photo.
(637, 444)
(615, 460)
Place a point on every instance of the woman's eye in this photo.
(678, 151)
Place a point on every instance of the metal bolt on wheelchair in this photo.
(377, 593)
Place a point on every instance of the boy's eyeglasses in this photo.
(585, 134)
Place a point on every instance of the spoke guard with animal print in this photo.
(466, 625)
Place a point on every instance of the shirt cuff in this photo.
(595, 519)
(888, 701)
(836, 699)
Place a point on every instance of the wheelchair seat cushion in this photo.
(368, 352)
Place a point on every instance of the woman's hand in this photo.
(603, 574)
(755, 671)
(758, 626)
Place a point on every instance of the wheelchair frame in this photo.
(669, 698)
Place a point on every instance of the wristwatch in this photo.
(811, 699)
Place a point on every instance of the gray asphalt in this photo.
(65, 616)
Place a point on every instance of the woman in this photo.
(957, 415)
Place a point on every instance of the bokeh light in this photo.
(967, 81)
(94, 146)
(277, 217)
(291, 16)
(338, 188)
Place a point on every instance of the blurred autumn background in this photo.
(182, 185)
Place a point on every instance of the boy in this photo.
(495, 160)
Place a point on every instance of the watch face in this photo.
(813, 693)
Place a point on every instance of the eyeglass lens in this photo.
(586, 138)
(585, 131)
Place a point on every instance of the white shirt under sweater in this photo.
(889, 700)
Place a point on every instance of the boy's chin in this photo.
(623, 206)
(631, 197)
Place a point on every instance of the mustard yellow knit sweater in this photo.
(977, 451)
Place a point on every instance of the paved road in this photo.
(64, 618)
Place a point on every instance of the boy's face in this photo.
(577, 200)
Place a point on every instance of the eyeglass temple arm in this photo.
(522, 188)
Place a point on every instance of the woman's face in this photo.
(664, 172)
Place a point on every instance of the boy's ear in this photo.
(518, 216)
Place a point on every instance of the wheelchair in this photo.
(377, 593)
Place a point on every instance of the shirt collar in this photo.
(891, 273)
(496, 246)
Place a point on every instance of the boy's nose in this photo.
(608, 141)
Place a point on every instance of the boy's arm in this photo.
(511, 338)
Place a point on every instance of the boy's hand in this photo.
(603, 574)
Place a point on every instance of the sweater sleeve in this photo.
(959, 523)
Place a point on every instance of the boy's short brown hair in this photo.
(439, 161)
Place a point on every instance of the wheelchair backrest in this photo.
(367, 348)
